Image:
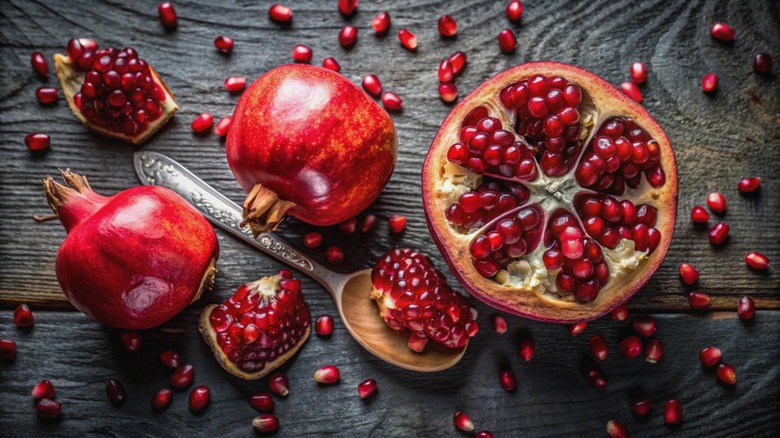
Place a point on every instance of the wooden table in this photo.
(718, 139)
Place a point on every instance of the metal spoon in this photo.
(350, 292)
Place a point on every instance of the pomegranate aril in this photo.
(619, 313)
(446, 73)
(699, 215)
(46, 95)
(279, 385)
(514, 10)
(644, 326)
(638, 73)
(372, 85)
(37, 141)
(448, 92)
(641, 406)
(202, 123)
(447, 26)
(749, 184)
(262, 401)
(631, 347)
(508, 380)
(483, 434)
(593, 376)
(44, 389)
(348, 36)
(688, 274)
(499, 324)
(347, 7)
(462, 421)
(718, 233)
(265, 423)
(222, 127)
(39, 65)
(756, 260)
(709, 83)
(161, 399)
(23, 316)
(717, 202)
(577, 328)
(312, 240)
(331, 64)
(224, 44)
(199, 398)
(115, 392)
(654, 350)
(673, 412)
(507, 41)
(327, 375)
(616, 429)
(397, 223)
(234, 84)
(407, 39)
(746, 308)
(366, 388)
(762, 63)
(170, 359)
(280, 13)
(632, 91)
(726, 374)
(349, 226)
(324, 325)
(527, 349)
(699, 300)
(182, 376)
(168, 16)
(392, 101)
(598, 347)
(722, 32)
(334, 255)
(381, 22)
(48, 409)
(7, 350)
(458, 61)
(302, 54)
(709, 356)
(369, 223)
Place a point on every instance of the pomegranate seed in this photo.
(48, 409)
(347, 7)
(44, 389)
(718, 233)
(709, 83)
(366, 388)
(221, 128)
(688, 274)
(381, 22)
(448, 92)
(302, 54)
(756, 260)
(514, 10)
(372, 85)
(631, 347)
(7, 350)
(278, 384)
(199, 398)
(167, 15)
(331, 64)
(699, 300)
(170, 359)
(499, 324)
(182, 376)
(39, 65)
(654, 350)
(642, 406)
(234, 84)
(334, 255)
(616, 429)
(644, 326)
(348, 36)
(699, 215)
(369, 222)
(131, 341)
(638, 73)
(709, 356)
(527, 348)
(446, 73)
(280, 13)
(722, 32)
(717, 202)
(392, 101)
(324, 325)
(620, 313)
(762, 63)
(507, 41)
(224, 44)
(312, 240)
(349, 226)
(508, 380)
(397, 223)
(672, 412)
(202, 123)
(749, 184)
(37, 141)
(265, 423)
(327, 375)
(598, 347)
(483, 434)
(746, 307)
(594, 376)
(447, 26)
(462, 421)
(408, 40)
(458, 61)
(115, 392)
(161, 399)
(262, 401)
(726, 374)
(23, 316)
(578, 328)
(632, 91)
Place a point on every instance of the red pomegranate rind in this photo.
(444, 182)
(259, 328)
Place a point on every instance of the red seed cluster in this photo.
(485, 203)
(608, 221)
(508, 239)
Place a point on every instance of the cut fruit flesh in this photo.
(636, 190)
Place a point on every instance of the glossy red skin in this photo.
(133, 260)
(315, 139)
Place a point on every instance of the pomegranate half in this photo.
(308, 142)
(550, 194)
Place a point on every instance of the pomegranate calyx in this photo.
(74, 201)
(264, 210)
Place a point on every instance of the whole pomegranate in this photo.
(550, 193)
(305, 140)
(261, 326)
(132, 260)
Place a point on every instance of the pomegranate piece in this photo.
(324, 325)
(407, 39)
(507, 41)
(726, 374)
(392, 101)
(265, 423)
(598, 347)
(718, 233)
(168, 16)
(699, 300)
(638, 73)
(448, 27)
(170, 359)
(46, 95)
(327, 375)
(372, 85)
(366, 388)
(654, 350)
(616, 429)
(223, 126)
(348, 36)
(44, 389)
(161, 399)
(688, 274)
(508, 380)
(576, 329)
(369, 223)
(412, 295)
(619, 313)
(23, 316)
(224, 44)
(257, 329)
(334, 255)
(462, 421)
(302, 54)
(182, 376)
(722, 32)
(131, 341)
(631, 347)
(756, 260)
(641, 406)
(199, 398)
(7, 350)
(709, 356)
(749, 184)
(381, 22)
(331, 64)
(39, 65)
(514, 10)
(448, 92)
(746, 308)
(48, 409)
(262, 401)
(280, 13)
(278, 384)
(631, 91)
(762, 63)
(347, 7)
(312, 240)
(499, 324)
(397, 223)
(644, 326)
(115, 392)
(673, 412)
(717, 202)
(699, 215)
(235, 84)
(37, 141)
(709, 83)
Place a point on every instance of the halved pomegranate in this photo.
(261, 326)
(113, 91)
(550, 194)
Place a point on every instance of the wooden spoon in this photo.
(350, 292)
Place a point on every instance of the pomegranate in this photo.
(366, 388)
(182, 376)
(265, 423)
(7, 350)
(327, 375)
(262, 401)
(113, 91)
(413, 295)
(132, 260)
(550, 194)
(161, 399)
(307, 141)
(258, 328)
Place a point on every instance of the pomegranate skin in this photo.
(132, 260)
(314, 139)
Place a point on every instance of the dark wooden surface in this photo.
(718, 139)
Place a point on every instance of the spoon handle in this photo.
(157, 169)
